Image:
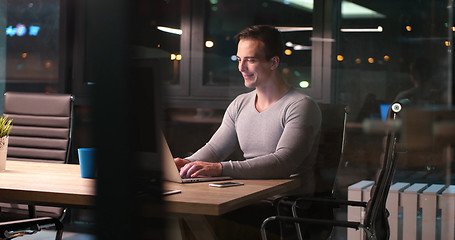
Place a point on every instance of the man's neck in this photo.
(266, 96)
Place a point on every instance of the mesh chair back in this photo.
(42, 126)
(331, 145)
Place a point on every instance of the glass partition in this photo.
(397, 51)
(390, 54)
(366, 55)
(376, 52)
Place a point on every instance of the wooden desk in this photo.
(201, 199)
(46, 184)
(61, 185)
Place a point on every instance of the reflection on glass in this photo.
(404, 55)
(378, 52)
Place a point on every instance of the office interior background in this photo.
(140, 67)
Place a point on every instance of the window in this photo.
(224, 19)
(32, 45)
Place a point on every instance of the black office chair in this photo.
(330, 153)
(42, 131)
(375, 224)
(19, 228)
(331, 147)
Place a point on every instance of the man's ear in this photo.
(275, 62)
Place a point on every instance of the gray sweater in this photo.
(277, 142)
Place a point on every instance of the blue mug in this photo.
(87, 162)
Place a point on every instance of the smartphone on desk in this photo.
(225, 184)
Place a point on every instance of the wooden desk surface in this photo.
(200, 198)
(61, 185)
(46, 183)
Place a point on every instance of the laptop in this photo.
(171, 173)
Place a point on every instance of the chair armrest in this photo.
(339, 223)
(333, 201)
(290, 200)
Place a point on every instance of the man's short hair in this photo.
(269, 35)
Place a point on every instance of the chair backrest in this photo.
(331, 145)
(42, 126)
(376, 217)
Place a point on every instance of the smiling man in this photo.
(275, 125)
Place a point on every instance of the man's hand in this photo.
(180, 162)
(199, 168)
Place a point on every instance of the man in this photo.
(275, 126)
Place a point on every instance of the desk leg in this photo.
(199, 227)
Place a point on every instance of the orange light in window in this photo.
(408, 28)
(371, 60)
(288, 52)
(386, 58)
(340, 58)
(358, 60)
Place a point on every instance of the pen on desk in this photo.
(170, 192)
